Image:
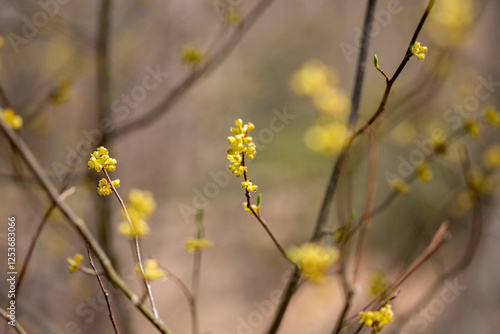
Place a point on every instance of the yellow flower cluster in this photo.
(399, 186)
(104, 188)
(377, 320)
(491, 157)
(249, 186)
(74, 263)
(241, 145)
(152, 270)
(472, 128)
(313, 259)
(140, 205)
(419, 50)
(424, 172)
(100, 160)
(194, 245)
(10, 119)
(318, 82)
(254, 207)
(61, 93)
(450, 20)
(191, 55)
(492, 116)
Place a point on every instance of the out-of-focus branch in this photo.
(79, 225)
(18, 327)
(215, 60)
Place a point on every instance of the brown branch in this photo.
(104, 292)
(212, 63)
(18, 327)
(79, 225)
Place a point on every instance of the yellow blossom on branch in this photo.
(140, 205)
(313, 260)
(492, 116)
(191, 55)
(399, 186)
(491, 157)
(152, 270)
(241, 145)
(377, 320)
(104, 188)
(100, 160)
(74, 263)
(419, 50)
(195, 245)
(10, 119)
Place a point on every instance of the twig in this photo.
(104, 292)
(361, 66)
(215, 60)
(18, 327)
(136, 246)
(79, 226)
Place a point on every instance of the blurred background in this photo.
(49, 73)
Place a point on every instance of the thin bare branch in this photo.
(104, 292)
(18, 327)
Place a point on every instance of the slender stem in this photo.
(136, 246)
(104, 292)
(18, 327)
(79, 225)
(212, 63)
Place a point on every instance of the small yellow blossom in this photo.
(140, 205)
(10, 119)
(492, 116)
(424, 172)
(378, 283)
(104, 189)
(254, 207)
(491, 157)
(100, 160)
(233, 17)
(313, 79)
(399, 186)
(249, 186)
(326, 138)
(152, 270)
(419, 50)
(194, 245)
(313, 260)
(61, 93)
(191, 55)
(439, 146)
(74, 263)
(377, 320)
(472, 127)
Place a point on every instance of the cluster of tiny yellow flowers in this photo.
(98, 161)
(313, 260)
(491, 157)
(74, 263)
(472, 128)
(241, 145)
(10, 119)
(61, 93)
(450, 20)
(140, 205)
(104, 188)
(319, 83)
(377, 320)
(492, 116)
(399, 186)
(255, 208)
(419, 50)
(194, 245)
(152, 270)
(191, 55)
(233, 17)
(424, 172)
